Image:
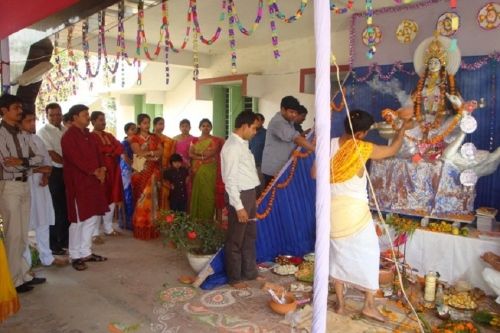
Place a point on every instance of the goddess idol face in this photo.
(434, 65)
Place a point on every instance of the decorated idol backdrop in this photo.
(452, 146)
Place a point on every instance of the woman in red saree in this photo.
(145, 145)
(168, 148)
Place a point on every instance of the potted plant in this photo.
(200, 239)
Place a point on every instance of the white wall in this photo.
(279, 78)
(181, 103)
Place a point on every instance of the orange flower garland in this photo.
(340, 106)
(440, 114)
(444, 79)
(295, 155)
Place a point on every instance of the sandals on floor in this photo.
(94, 258)
(79, 264)
(113, 233)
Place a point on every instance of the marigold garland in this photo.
(295, 156)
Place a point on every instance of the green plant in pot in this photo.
(196, 237)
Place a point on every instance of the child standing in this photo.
(177, 175)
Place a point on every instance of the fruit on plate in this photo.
(464, 231)
(461, 300)
(440, 227)
(487, 318)
(285, 269)
(305, 272)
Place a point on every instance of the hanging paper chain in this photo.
(216, 35)
(196, 62)
(370, 30)
(274, 33)
(102, 36)
(141, 34)
(164, 9)
(86, 48)
(188, 31)
(232, 40)
(258, 18)
(343, 10)
(291, 19)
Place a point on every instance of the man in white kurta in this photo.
(42, 211)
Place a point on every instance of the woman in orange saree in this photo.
(9, 302)
(146, 146)
(168, 145)
(203, 153)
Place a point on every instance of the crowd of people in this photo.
(69, 183)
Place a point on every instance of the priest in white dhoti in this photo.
(42, 212)
(354, 247)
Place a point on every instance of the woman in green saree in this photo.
(203, 153)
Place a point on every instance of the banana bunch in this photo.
(487, 318)
(440, 227)
(461, 300)
(495, 321)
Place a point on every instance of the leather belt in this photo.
(21, 179)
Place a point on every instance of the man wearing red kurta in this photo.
(84, 175)
(110, 150)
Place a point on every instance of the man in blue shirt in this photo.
(257, 147)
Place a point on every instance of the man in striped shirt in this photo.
(18, 156)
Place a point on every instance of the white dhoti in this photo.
(107, 221)
(492, 278)
(41, 217)
(80, 237)
(355, 259)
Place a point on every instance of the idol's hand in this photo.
(405, 113)
(408, 124)
(455, 100)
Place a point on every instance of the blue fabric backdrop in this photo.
(290, 227)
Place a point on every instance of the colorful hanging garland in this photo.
(102, 36)
(370, 30)
(232, 40)
(166, 46)
(216, 35)
(86, 48)
(141, 33)
(186, 36)
(341, 10)
(283, 17)
(258, 18)
(274, 32)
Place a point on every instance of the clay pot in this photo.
(385, 276)
(290, 305)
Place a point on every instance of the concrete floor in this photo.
(137, 288)
(123, 289)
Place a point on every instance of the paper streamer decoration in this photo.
(488, 17)
(448, 24)
(372, 35)
(407, 31)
